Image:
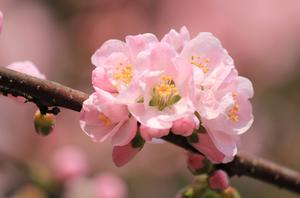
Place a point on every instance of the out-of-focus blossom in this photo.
(123, 154)
(108, 185)
(28, 68)
(218, 180)
(69, 163)
(103, 118)
(1, 21)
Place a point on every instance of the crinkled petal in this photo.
(225, 143)
(109, 47)
(245, 87)
(125, 133)
(101, 80)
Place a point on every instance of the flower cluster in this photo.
(148, 88)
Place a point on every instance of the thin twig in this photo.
(52, 94)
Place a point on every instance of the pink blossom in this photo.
(195, 161)
(69, 163)
(117, 65)
(165, 89)
(234, 119)
(103, 118)
(1, 21)
(123, 154)
(108, 185)
(221, 96)
(218, 180)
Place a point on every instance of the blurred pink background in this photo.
(59, 36)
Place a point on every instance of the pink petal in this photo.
(148, 117)
(110, 106)
(207, 147)
(184, 126)
(177, 40)
(225, 143)
(245, 87)
(123, 154)
(100, 80)
(148, 133)
(125, 133)
(109, 47)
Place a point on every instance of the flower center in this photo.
(165, 93)
(123, 73)
(200, 62)
(104, 119)
(233, 112)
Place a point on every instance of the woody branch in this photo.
(45, 94)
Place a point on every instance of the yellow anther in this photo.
(233, 112)
(125, 75)
(105, 120)
(165, 93)
(203, 64)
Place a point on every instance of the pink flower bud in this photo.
(69, 163)
(218, 180)
(195, 161)
(148, 133)
(184, 126)
(109, 185)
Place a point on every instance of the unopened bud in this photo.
(218, 180)
(44, 124)
(230, 192)
(198, 164)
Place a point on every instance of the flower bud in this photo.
(230, 192)
(44, 124)
(198, 164)
(184, 126)
(218, 180)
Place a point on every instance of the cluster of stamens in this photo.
(123, 73)
(164, 94)
(104, 119)
(201, 63)
(233, 112)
